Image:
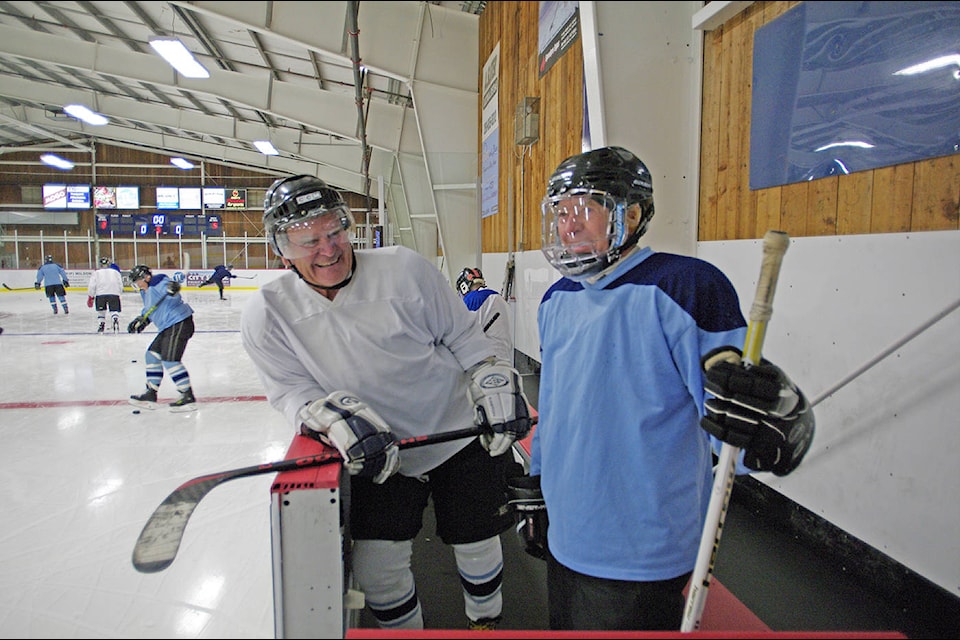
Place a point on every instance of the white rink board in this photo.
(883, 464)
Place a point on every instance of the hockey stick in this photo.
(775, 245)
(883, 354)
(160, 538)
(21, 288)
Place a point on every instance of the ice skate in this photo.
(116, 325)
(186, 402)
(146, 400)
(100, 328)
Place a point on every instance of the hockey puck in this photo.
(133, 361)
(136, 410)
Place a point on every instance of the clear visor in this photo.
(578, 230)
(313, 231)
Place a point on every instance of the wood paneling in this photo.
(524, 169)
(911, 197)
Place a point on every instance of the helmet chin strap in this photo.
(334, 287)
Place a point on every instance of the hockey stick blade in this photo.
(160, 538)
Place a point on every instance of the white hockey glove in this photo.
(756, 408)
(365, 442)
(500, 408)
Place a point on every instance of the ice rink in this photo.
(81, 475)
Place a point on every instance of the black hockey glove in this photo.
(36, 285)
(66, 285)
(523, 494)
(138, 324)
(173, 288)
(756, 408)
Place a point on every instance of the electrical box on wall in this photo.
(527, 122)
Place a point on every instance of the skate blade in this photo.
(143, 404)
(184, 408)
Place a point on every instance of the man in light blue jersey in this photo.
(173, 317)
(631, 342)
(55, 282)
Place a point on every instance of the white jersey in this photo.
(397, 336)
(493, 315)
(105, 282)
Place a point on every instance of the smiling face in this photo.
(319, 248)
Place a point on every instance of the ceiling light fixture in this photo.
(56, 161)
(179, 57)
(264, 147)
(180, 162)
(81, 112)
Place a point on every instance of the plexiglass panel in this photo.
(840, 87)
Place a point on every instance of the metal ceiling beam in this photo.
(43, 131)
(322, 110)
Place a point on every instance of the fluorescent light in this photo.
(80, 112)
(180, 162)
(56, 161)
(265, 147)
(179, 57)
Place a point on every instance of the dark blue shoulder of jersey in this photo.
(697, 286)
(563, 284)
(475, 299)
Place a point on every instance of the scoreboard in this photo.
(159, 224)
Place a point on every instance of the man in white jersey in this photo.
(364, 347)
(631, 342)
(103, 293)
(491, 308)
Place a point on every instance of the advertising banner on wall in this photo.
(490, 136)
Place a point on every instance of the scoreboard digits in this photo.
(157, 224)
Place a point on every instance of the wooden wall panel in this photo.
(892, 199)
(854, 198)
(524, 169)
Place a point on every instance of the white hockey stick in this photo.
(775, 245)
(883, 354)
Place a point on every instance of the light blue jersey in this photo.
(172, 309)
(626, 469)
(50, 274)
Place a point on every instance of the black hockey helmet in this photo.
(140, 272)
(297, 199)
(105, 261)
(48, 259)
(616, 179)
(469, 277)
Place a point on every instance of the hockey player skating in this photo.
(219, 273)
(366, 347)
(55, 282)
(103, 293)
(492, 310)
(163, 306)
(636, 348)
